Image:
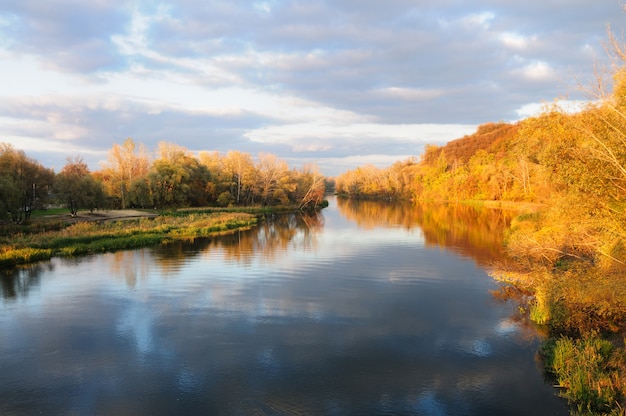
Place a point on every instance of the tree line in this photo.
(475, 167)
(175, 178)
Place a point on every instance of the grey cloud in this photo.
(379, 56)
(104, 127)
(71, 35)
(397, 61)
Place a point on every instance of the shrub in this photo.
(225, 199)
(587, 371)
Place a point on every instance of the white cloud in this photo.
(136, 41)
(24, 76)
(538, 71)
(46, 145)
(418, 94)
(536, 109)
(360, 132)
(516, 40)
(482, 19)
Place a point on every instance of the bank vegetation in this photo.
(62, 239)
(567, 172)
(194, 195)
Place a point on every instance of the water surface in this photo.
(364, 309)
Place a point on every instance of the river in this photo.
(364, 309)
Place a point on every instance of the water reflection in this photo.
(298, 316)
(471, 231)
(18, 282)
(276, 234)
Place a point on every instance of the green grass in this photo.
(586, 370)
(583, 310)
(15, 256)
(39, 213)
(101, 236)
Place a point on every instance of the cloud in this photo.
(68, 34)
(535, 109)
(516, 41)
(358, 133)
(405, 93)
(537, 71)
(480, 20)
(305, 79)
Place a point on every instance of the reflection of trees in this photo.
(471, 231)
(132, 265)
(371, 214)
(17, 282)
(275, 234)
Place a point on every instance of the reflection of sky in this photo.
(382, 325)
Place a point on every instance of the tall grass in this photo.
(96, 237)
(583, 309)
(587, 370)
(10, 257)
(540, 306)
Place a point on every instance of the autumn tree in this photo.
(9, 198)
(175, 179)
(310, 187)
(126, 163)
(141, 193)
(167, 181)
(76, 188)
(270, 170)
(24, 182)
(583, 156)
(213, 162)
(239, 171)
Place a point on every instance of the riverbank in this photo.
(581, 309)
(48, 236)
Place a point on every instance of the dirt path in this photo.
(105, 215)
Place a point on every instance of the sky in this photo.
(339, 83)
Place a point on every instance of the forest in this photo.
(175, 178)
(565, 173)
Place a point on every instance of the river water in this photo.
(363, 309)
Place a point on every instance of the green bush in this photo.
(225, 199)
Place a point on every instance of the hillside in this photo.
(490, 137)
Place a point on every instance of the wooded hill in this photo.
(439, 169)
(574, 164)
(490, 137)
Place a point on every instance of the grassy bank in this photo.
(47, 237)
(582, 310)
(585, 311)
